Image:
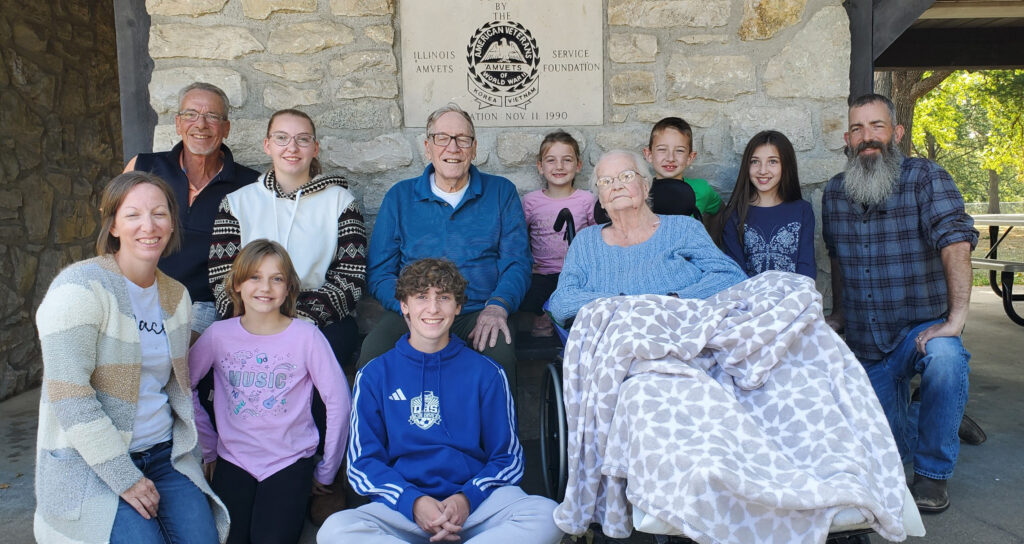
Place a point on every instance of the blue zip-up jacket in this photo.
(485, 236)
(432, 424)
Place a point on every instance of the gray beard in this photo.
(870, 179)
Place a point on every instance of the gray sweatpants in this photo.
(508, 516)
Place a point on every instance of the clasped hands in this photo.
(441, 519)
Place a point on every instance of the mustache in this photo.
(867, 144)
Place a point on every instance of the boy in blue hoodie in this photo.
(433, 437)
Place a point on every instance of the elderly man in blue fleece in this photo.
(639, 252)
(457, 212)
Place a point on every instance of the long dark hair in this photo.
(743, 194)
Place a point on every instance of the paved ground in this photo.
(987, 491)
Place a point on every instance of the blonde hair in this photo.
(246, 263)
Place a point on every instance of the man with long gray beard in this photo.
(900, 244)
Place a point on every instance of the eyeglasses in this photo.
(191, 116)
(303, 139)
(441, 139)
(625, 177)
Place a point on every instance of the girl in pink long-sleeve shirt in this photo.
(260, 458)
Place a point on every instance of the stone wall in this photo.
(60, 141)
(730, 67)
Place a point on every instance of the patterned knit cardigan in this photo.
(92, 363)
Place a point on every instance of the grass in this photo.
(1012, 249)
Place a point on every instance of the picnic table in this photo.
(1000, 272)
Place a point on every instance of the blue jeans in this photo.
(183, 513)
(925, 432)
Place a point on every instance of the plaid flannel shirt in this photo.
(889, 254)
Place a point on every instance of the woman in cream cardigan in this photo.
(115, 458)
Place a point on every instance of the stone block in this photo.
(517, 148)
(704, 39)
(381, 154)
(364, 61)
(380, 33)
(762, 19)
(24, 266)
(816, 63)
(719, 78)
(246, 142)
(363, 113)
(819, 170)
(794, 122)
(37, 212)
(294, 71)
(669, 13)
(201, 42)
(278, 97)
(834, 122)
(630, 139)
(29, 38)
(626, 48)
(10, 204)
(261, 9)
(308, 37)
(362, 8)
(697, 113)
(368, 86)
(61, 183)
(76, 220)
(633, 87)
(166, 84)
(193, 8)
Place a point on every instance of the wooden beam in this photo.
(134, 70)
(890, 19)
(961, 48)
(861, 57)
(945, 9)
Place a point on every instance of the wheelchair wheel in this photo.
(553, 436)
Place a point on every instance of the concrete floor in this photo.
(987, 491)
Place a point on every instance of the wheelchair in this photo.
(554, 456)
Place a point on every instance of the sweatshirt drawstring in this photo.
(291, 222)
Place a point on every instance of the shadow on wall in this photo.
(60, 142)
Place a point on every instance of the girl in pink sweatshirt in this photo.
(260, 458)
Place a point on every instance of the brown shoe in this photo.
(929, 494)
(322, 506)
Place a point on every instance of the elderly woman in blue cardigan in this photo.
(115, 459)
(639, 252)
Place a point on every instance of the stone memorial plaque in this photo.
(511, 63)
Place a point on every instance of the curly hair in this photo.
(419, 276)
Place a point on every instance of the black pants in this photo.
(541, 287)
(272, 511)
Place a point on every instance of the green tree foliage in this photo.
(972, 124)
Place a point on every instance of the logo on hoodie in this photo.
(426, 410)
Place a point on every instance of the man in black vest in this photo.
(202, 171)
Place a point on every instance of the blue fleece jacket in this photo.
(485, 236)
(432, 424)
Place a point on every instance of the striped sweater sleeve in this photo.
(346, 276)
(225, 244)
(69, 320)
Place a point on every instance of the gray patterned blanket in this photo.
(739, 418)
